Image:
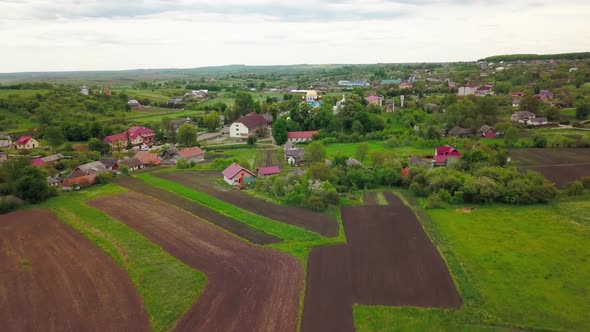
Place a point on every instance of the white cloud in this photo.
(88, 35)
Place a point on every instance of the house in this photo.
(301, 136)
(134, 103)
(236, 174)
(443, 153)
(3, 157)
(176, 124)
(175, 101)
(298, 172)
(80, 180)
(351, 162)
(197, 94)
(90, 168)
(573, 69)
(52, 182)
(268, 117)
(517, 94)
(5, 140)
(418, 161)
(537, 121)
(521, 116)
(545, 95)
(148, 158)
(110, 164)
(247, 125)
(484, 90)
(192, 154)
(459, 132)
(37, 162)
(391, 81)
(293, 155)
(26, 142)
(375, 99)
(84, 90)
(40, 161)
(132, 164)
(468, 89)
(353, 83)
(170, 154)
(515, 102)
(339, 104)
(487, 132)
(268, 171)
(136, 135)
(405, 85)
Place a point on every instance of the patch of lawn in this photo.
(522, 267)
(167, 286)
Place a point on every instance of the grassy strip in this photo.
(520, 267)
(167, 286)
(284, 231)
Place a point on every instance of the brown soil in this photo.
(388, 260)
(248, 289)
(54, 279)
(202, 181)
(558, 165)
(251, 234)
(370, 198)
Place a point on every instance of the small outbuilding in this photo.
(236, 174)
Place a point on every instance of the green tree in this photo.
(530, 103)
(94, 144)
(187, 135)
(251, 140)
(243, 104)
(361, 151)
(212, 121)
(315, 152)
(54, 136)
(279, 131)
(511, 137)
(32, 186)
(582, 110)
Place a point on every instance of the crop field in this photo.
(203, 181)
(516, 267)
(387, 260)
(557, 165)
(249, 288)
(54, 279)
(268, 158)
(240, 229)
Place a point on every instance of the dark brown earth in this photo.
(242, 230)
(388, 260)
(54, 279)
(558, 165)
(370, 198)
(248, 288)
(202, 181)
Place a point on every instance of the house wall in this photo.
(238, 130)
(300, 139)
(236, 179)
(31, 144)
(490, 134)
(197, 158)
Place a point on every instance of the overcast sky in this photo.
(56, 35)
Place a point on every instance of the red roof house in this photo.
(136, 134)
(406, 85)
(247, 125)
(37, 162)
(267, 171)
(375, 99)
(193, 154)
(26, 142)
(487, 131)
(148, 158)
(301, 136)
(82, 181)
(443, 153)
(236, 174)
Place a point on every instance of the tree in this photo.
(212, 121)
(187, 135)
(582, 110)
(362, 150)
(279, 131)
(94, 144)
(315, 152)
(54, 136)
(530, 103)
(502, 127)
(243, 104)
(511, 136)
(251, 140)
(552, 113)
(32, 185)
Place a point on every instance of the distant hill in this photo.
(529, 57)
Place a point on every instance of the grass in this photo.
(281, 230)
(349, 149)
(24, 93)
(516, 267)
(568, 112)
(167, 286)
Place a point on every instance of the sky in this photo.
(72, 35)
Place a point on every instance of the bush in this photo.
(251, 140)
(575, 188)
(585, 182)
(315, 203)
(104, 177)
(184, 164)
(435, 201)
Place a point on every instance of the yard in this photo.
(517, 267)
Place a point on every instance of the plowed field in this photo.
(388, 260)
(54, 279)
(557, 165)
(202, 181)
(248, 289)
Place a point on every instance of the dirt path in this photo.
(388, 260)
(251, 234)
(54, 279)
(202, 181)
(248, 289)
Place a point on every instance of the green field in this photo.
(167, 286)
(24, 93)
(517, 267)
(350, 149)
(155, 96)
